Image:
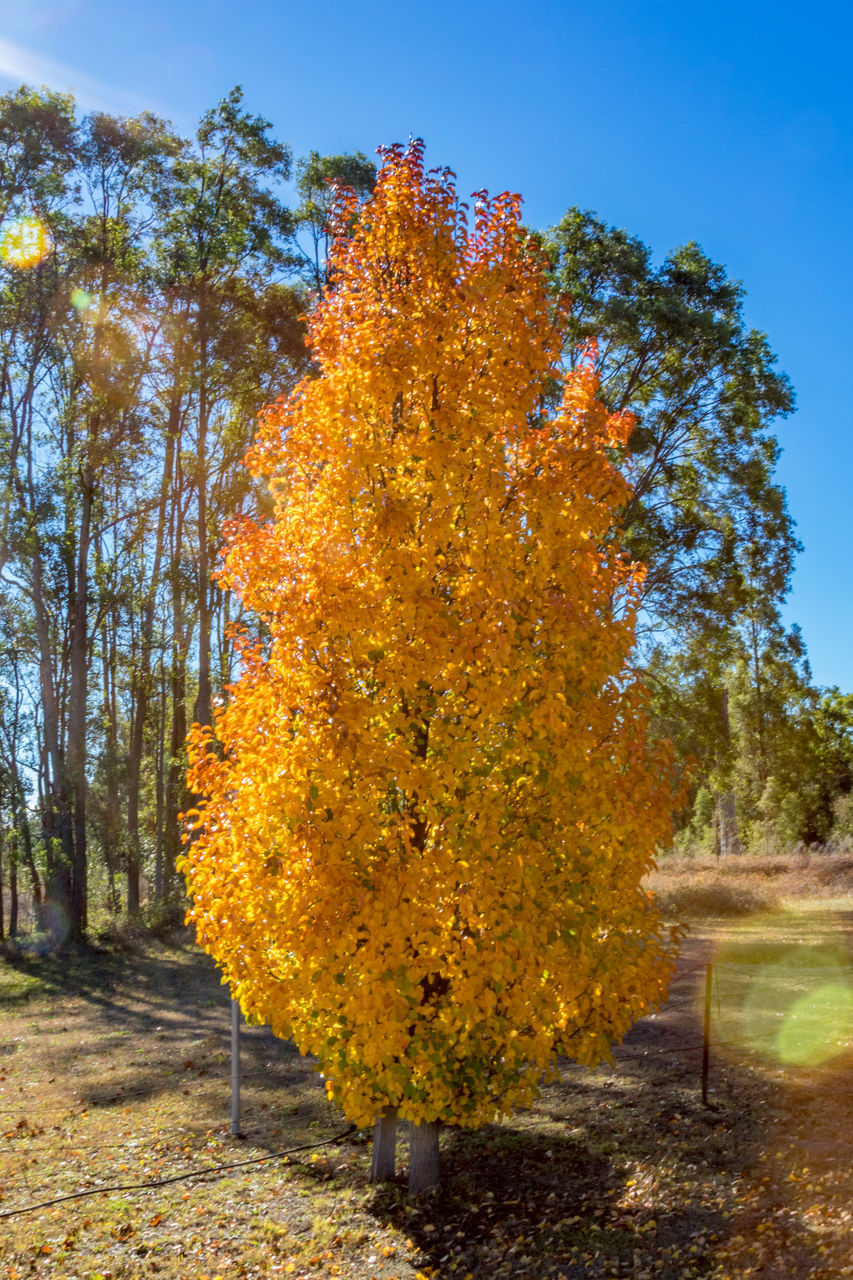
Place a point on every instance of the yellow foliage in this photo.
(425, 811)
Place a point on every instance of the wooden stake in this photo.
(706, 1036)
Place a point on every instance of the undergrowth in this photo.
(704, 887)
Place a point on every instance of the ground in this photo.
(115, 1070)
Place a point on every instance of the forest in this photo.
(155, 290)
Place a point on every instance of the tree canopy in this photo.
(429, 800)
(706, 515)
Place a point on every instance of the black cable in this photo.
(686, 972)
(625, 1055)
(652, 1053)
(178, 1177)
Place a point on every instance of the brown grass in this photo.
(693, 888)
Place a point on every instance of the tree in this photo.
(427, 807)
(316, 179)
(233, 327)
(673, 350)
(73, 365)
(227, 228)
(38, 148)
(706, 515)
(15, 735)
(120, 163)
(145, 315)
(764, 736)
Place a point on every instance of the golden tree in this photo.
(427, 807)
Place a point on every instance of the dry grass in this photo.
(693, 888)
(114, 1069)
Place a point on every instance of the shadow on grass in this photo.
(618, 1173)
(621, 1172)
(514, 1203)
(160, 1021)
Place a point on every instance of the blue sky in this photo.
(731, 125)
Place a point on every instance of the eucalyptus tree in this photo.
(317, 176)
(233, 334)
(672, 349)
(151, 304)
(38, 139)
(121, 165)
(37, 146)
(707, 515)
(73, 368)
(18, 762)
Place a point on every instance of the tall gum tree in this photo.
(429, 801)
(707, 515)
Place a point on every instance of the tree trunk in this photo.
(77, 703)
(58, 835)
(423, 1157)
(160, 789)
(139, 693)
(2, 908)
(112, 817)
(13, 886)
(203, 701)
(176, 787)
(56, 805)
(22, 827)
(727, 818)
(761, 717)
(726, 835)
(384, 1146)
(142, 681)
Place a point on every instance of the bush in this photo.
(692, 888)
(710, 899)
(842, 823)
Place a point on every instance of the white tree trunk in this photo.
(423, 1157)
(384, 1146)
(728, 826)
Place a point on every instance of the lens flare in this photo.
(818, 1026)
(789, 1004)
(57, 921)
(81, 300)
(25, 243)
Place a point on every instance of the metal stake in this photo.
(235, 1069)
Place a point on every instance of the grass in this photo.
(114, 1069)
(699, 888)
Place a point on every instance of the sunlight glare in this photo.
(818, 1026)
(25, 242)
(57, 920)
(784, 994)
